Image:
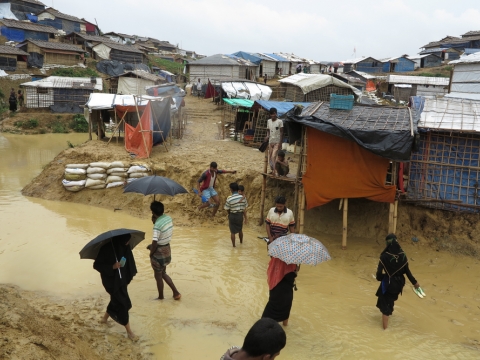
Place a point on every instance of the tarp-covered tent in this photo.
(19, 31)
(61, 21)
(134, 82)
(466, 74)
(315, 87)
(172, 90)
(444, 170)
(115, 68)
(246, 90)
(266, 64)
(119, 52)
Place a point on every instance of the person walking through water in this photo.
(392, 266)
(206, 186)
(160, 253)
(236, 206)
(274, 137)
(115, 279)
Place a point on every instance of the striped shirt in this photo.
(163, 230)
(236, 203)
(279, 222)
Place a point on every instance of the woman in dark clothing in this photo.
(115, 279)
(392, 266)
(281, 281)
(12, 100)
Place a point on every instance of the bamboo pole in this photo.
(264, 188)
(118, 126)
(141, 126)
(390, 217)
(89, 126)
(345, 224)
(301, 224)
(395, 216)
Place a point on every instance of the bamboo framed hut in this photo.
(43, 53)
(444, 171)
(347, 154)
(12, 58)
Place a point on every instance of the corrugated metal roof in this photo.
(394, 58)
(277, 57)
(450, 114)
(434, 50)
(9, 50)
(468, 59)
(143, 75)
(96, 38)
(417, 80)
(66, 83)
(349, 78)
(61, 15)
(415, 57)
(357, 60)
(121, 47)
(363, 74)
(26, 25)
(221, 59)
(34, 2)
(56, 46)
(471, 33)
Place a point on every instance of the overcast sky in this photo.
(315, 29)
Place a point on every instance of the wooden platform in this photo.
(289, 178)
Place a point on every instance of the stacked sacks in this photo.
(137, 171)
(116, 174)
(74, 177)
(97, 175)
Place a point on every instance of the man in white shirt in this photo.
(274, 137)
(199, 88)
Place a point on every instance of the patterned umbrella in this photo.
(298, 249)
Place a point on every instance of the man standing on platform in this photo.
(274, 137)
(279, 220)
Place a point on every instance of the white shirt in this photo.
(212, 179)
(274, 128)
(199, 85)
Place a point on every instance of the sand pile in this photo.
(36, 327)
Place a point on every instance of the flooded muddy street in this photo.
(224, 289)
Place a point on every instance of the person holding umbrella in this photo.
(160, 253)
(116, 276)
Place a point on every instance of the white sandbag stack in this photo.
(137, 172)
(116, 174)
(97, 175)
(73, 186)
(74, 177)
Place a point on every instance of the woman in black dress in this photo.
(108, 265)
(392, 266)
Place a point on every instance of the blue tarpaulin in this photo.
(16, 35)
(282, 106)
(32, 18)
(56, 23)
(248, 56)
(161, 120)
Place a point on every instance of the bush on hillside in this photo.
(75, 72)
(79, 124)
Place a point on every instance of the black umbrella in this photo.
(90, 251)
(151, 185)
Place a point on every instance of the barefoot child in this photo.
(281, 164)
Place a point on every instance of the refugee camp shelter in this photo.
(243, 89)
(51, 53)
(364, 64)
(446, 54)
(282, 67)
(351, 80)
(60, 94)
(221, 67)
(85, 41)
(265, 64)
(61, 21)
(466, 77)
(398, 64)
(120, 38)
(116, 51)
(12, 59)
(348, 154)
(445, 169)
(294, 60)
(404, 86)
(364, 77)
(470, 39)
(91, 28)
(313, 87)
(134, 82)
(19, 31)
(426, 60)
(24, 9)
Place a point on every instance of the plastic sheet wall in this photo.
(8, 64)
(56, 23)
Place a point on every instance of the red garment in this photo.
(277, 269)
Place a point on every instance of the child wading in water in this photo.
(394, 263)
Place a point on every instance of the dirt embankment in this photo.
(34, 327)
(31, 122)
(187, 158)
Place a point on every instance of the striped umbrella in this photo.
(299, 249)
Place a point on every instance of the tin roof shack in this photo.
(282, 66)
(426, 60)
(351, 80)
(120, 38)
(314, 87)
(87, 42)
(116, 51)
(43, 53)
(445, 170)
(22, 9)
(370, 80)
(446, 54)
(12, 58)
(368, 65)
(265, 64)
(398, 64)
(404, 86)
(61, 21)
(466, 77)
(134, 82)
(60, 94)
(221, 67)
(19, 31)
(91, 28)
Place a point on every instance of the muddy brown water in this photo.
(223, 289)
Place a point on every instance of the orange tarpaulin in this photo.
(370, 86)
(138, 142)
(340, 168)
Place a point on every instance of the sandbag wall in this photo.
(101, 175)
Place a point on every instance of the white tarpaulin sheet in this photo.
(129, 85)
(102, 51)
(311, 82)
(466, 87)
(450, 114)
(463, 96)
(472, 58)
(100, 101)
(247, 90)
(466, 73)
(3, 73)
(6, 12)
(417, 80)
